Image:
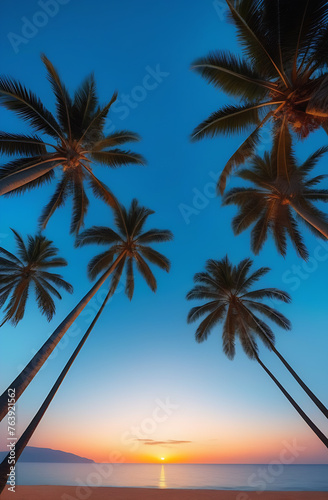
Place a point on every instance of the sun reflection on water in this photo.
(162, 481)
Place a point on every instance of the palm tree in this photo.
(18, 275)
(280, 80)
(274, 200)
(226, 291)
(77, 139)
(126, 247)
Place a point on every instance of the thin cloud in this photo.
(167, 442)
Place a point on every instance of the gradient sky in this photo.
(143, 353)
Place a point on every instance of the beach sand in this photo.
(72, 493)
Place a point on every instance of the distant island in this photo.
(34, 454)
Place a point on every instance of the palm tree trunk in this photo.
(311, 424)
(308, 391)
(24, 439)
(22, 177)
(320, 225)
(26, 376)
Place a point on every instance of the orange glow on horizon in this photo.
(257, 446)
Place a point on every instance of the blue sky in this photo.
(143, 350)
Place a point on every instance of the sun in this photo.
(162, 458)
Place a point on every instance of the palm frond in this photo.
(155, 236)
(211, 320)
(155, 257)
(196, 312)
(129, 286)
(268, 293)
(45, 302)
(26, 173)
(63, 100)
(117, 274)
(20, 144)
(117, 158)
(116, 139)
(270, 313)
(22, 250)
(15, 309)
(101, 262)
(229, 334)
(84, 104)
(241, 273)
(57, 280)
(262, 330)
(296, 238)
(93, 128)
(245, 150)
(228, 120)
(80, 206)
(279, 231)
(253, 278)
(318, 104)
(100, 190)
(247, 215)
(11, 256)
(146, 272)
(312, 160)
(28, 106)
(58, 199)
(202, 293)
(251, 33)
(99, 235)
(232, 74)
(48, 286)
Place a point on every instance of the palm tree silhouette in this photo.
(128, 246)
(78, 139)
(18, 275)
(280, 80)
(274, 200)
(226, 291)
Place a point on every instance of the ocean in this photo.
(230, 477)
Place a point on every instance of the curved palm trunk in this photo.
(298, 379)
(311, 424)
(308, 391)
(24, 439)
(18, 179)
(26, 376)
(321, 226)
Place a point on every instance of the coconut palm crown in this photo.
(227, 298)
(30, 269)
(276, 204)
(128, 245)
(280, 79)
(74, 139)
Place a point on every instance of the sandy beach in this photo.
(72, 493)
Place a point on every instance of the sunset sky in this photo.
(142, 389)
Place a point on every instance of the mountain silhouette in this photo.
(34, 454)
